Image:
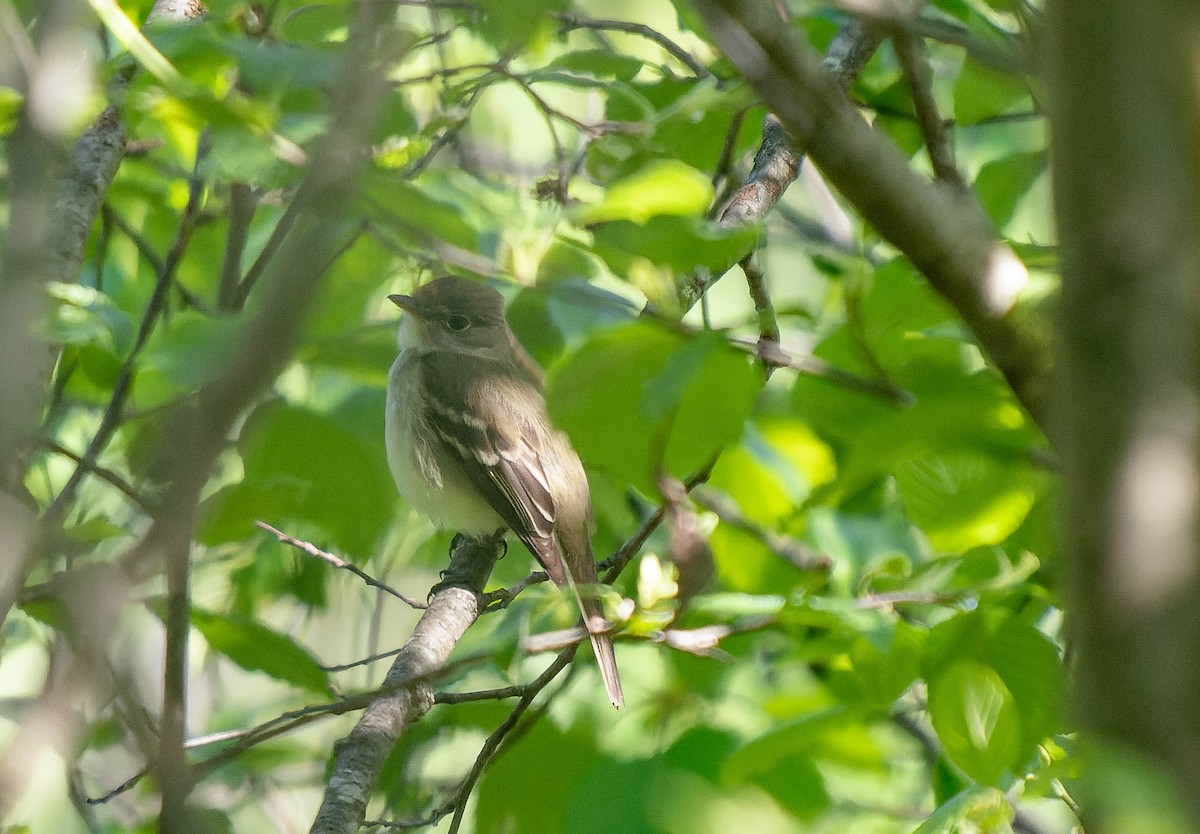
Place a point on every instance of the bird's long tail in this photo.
(593, 617)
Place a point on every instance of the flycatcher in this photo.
(470, 444)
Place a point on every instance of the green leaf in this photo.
(976, 720)
(10, 106)
(664, 186)
(982, 93)
(962, 499)
(189, 353)
(316, 22)
(515, 25)
(833, 735)
(795, 783)
(302, 465)
(411, 212)
(885, 672)
(86, 316)
(1002, 183)
(978, 809)
(679, 243)
(601, 63)
(508, 783)
(254, 646)
(1024, 661)
(266, 65)
(636, 397)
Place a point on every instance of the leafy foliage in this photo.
(917, 686)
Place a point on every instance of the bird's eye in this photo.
(458, 322)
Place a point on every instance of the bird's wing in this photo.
(494, 427)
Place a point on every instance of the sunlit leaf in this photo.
(978, 809)
(963, 499)
(651, 398)
(976, 720)
(681, 243)
(662, 187)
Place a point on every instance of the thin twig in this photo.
(242, 202)
(366, 661)
(503, 597)
(616, 563)
(574, 21)
(768, 327)
(338, 562)
(795, 553)
(914, 59)
(481, 695)
(123, 486)
(256, 270)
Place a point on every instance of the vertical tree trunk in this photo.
(1125, 84)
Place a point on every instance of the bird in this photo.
(471, 446)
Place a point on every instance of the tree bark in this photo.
(1127, 195)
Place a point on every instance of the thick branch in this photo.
(359, 757)
(942, 230)
(777, 161)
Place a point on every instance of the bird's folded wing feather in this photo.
(494, 428)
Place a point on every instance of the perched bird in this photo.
(470, 444)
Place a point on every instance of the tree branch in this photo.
(942, 230)
(777, 162)
(359, 757)
(574, 21)
(338, 562)
(914, 58)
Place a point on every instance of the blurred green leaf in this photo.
(680, 243)
(977, 809)
(601, 63)
(1026, 666)
(562, 764)
(191, 350)
(976, 720)
(1001, 184)
(663, 187)
(982, 93)
(86, 316)
(419, 213)
(885, 671)
(513, 25)
(302, 466)
(10, 105)
(636, 397)
(254, 646)
(962, 499)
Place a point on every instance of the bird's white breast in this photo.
(429, 480)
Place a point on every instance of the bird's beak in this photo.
(408, 304)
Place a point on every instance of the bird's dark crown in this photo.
(452, 294)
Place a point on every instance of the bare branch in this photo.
(795, 553)
(359, 757)
(338, 562)
(914, 58)
(574, 21)
(777, 163)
